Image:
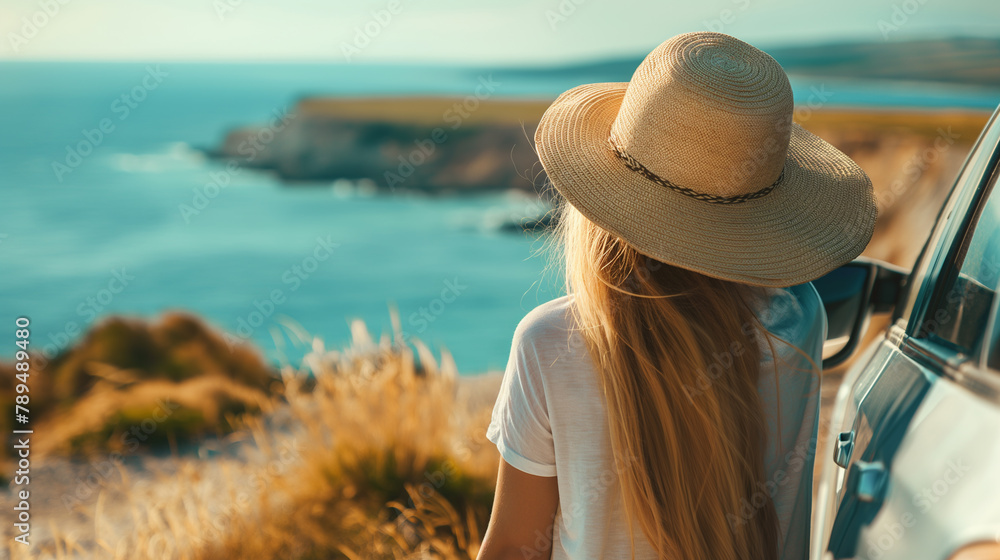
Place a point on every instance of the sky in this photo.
(452, 31)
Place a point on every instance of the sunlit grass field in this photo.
(375, 451)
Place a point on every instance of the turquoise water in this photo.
(108, 236)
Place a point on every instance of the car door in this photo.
(941, 491)
(938, 323)
(886, 398)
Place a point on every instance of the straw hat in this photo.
(696, 162)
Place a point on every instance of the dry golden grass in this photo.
(123, 372)
(169, 406)
(384, 456)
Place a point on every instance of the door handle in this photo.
(844, 447)
(870, 480)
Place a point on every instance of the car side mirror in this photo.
(851, 294)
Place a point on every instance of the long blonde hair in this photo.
(678, 355)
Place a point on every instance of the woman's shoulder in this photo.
(549, 334)
(549, 319)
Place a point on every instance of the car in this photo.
(911, 465)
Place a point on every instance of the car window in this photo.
(959, 313)
(949, 225)
(990, 354)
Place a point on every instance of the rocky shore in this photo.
(433, 145)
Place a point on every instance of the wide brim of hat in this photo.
(818, 218)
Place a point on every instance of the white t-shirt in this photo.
(550, 419)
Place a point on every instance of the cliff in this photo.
(438, 145)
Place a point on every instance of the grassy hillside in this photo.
(176, 375)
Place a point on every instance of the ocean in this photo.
(98, 160)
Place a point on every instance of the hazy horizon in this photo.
(448, 32)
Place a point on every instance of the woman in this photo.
(667, 407)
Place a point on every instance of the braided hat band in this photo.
(641, 169)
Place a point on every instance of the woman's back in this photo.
(551, 420)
